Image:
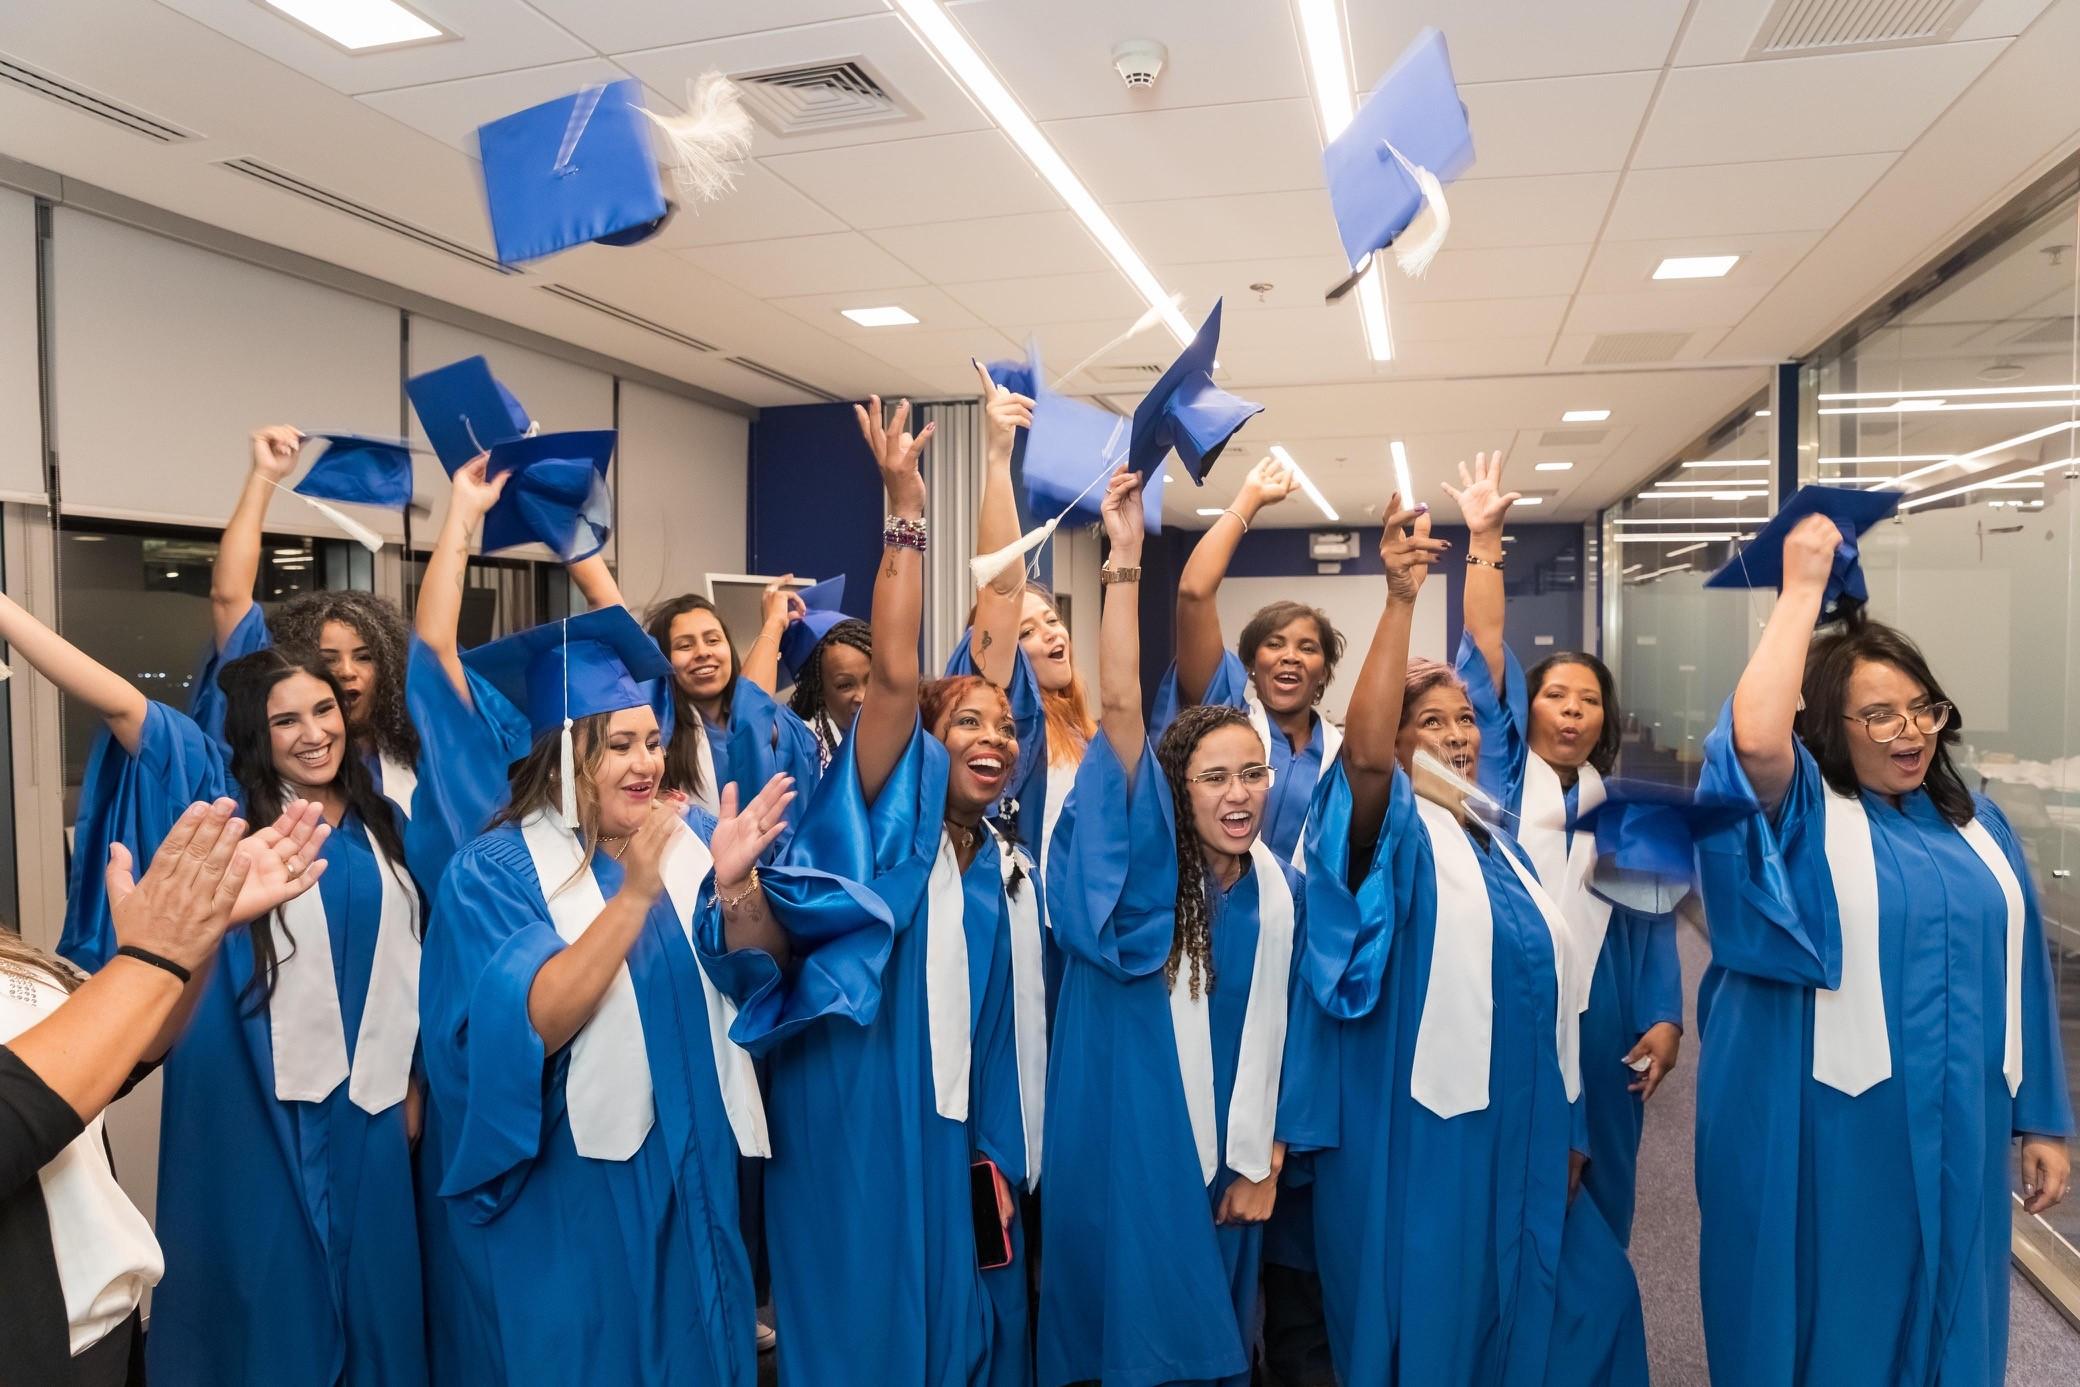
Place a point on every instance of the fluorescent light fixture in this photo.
(1314, 493)
(356, 25)
(1916, 406)
(1701, 495)
(1762, 414)
(1551, 466)
(1210, 511)
(1585, 416)
(890, 316)
(2016, 475)
(1530, 501)
(1962, 390)
(1710, 481)
(1634, 569)
(960, 57)
(1689, 548)
(1328, 65)
(1404, 486)
(1961, 459)
(1887, 457)
(1695, 266)
(1372, 313)
(1672, 568)
(1729, 462)
(1722, 521)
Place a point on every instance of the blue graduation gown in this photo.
(766, 738)
(1448, 1250)
(1139, 1286)
(1295, 770)
(1861, 1240)
(292, 1251)
(1638, 983)
(868, 1216)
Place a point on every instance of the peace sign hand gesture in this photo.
(896, 451)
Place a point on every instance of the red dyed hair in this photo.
(937, 698)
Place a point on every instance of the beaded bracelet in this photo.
(900, 531)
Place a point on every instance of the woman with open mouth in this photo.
(905, 1045)
(579, 1043)
(1431, 1068)
(1878, 1031)
(291, 1106)
(1547, 741)
(1178, 923)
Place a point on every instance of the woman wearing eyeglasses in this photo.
(1177, 922)
(1877, 1026)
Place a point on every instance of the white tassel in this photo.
(1142, 324)
(1419, 243)
(986, 567)
(714, 133)
(369, 539)
(567, 774)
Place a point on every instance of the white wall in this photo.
(21, 427)
(1353, 602)
(682, 496)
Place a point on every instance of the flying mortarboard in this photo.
(1408, 139)
(1646, 840)
(465, 410)
(1760, 563)
(559, 495)
(799, 641)
(1187, 411)
(361, 471)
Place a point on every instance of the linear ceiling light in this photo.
(1328, 63)
(356, 25)
(1729, 462)
(1963, 390)
(966, 63)
(1931, 406)
(1962, 458)
(1314, 493)
(1945, 495)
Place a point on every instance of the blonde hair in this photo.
(21, 955)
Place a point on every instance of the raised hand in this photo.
(1407, 550)
(473, 492)
(183, 905)
(741, 838)
(1809, 552)
(1004, 412)
(780, 605)
(284, 860)
(1482, 501)
(1268, 483)
(896, 451)
(274, 451)
(1125, 524)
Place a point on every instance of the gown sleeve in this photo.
(465, 746)
(1228, 687)
(1112, 868)
(1768, 894)
(132, 800)
(205, 699)
(1350, 935)
(1501, 715)
(1028, 717)
(1658, 990)
(767, 739)
(2043, 1104)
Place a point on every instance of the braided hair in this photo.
(1193, 933)
(299, 626)
(807, 699)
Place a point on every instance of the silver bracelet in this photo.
(1230, 510)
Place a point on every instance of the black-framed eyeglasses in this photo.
(1887, 727)
(1255, 777)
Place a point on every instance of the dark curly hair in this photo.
(299, 623)
(1192, 935)
(1273, 617)
(807, 699)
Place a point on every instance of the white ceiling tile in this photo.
(1202, 151)
(799, 265)
(1503, 272)
(622, 25)
(1035, 243)
(1573, 348)
(1665, 308)
(1201, 229)
(1557, 210)
(1556, 124)
(1621, 266)
(1057, 56)
(934, 310)
(1469, 319)
(1999, 18)
(452, 111)
(908, 182)
(1798, 108)
(761, 205)
(1469, 356)
(1017, 304)
(1732, 199)
(1503, 40)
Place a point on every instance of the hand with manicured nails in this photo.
(1268, 483)
(1658, 1048)
(472, 491)
(1482, 501)
(1125, 525)
(1809, 552)
(896, 451)
(741, 838)
(1406, 548)
(642, 864)
(274, 451)
(1004, 413)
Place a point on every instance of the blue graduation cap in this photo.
(576, 169)
(1071, 449)
(1187, 411)
(1408, 139)
(1646, 840)
(465, 410)
(360, 470)
(799, 641)
(1760, 563)
(559, 496)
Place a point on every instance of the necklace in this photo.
(615, 846)
(965, 838)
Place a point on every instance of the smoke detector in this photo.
(1138, 61)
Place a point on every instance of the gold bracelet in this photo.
(731, 903)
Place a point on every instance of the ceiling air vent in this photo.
(758, 368)
(1572, 438)
(1795, 27)
(99, 107)
(310, 192)
(1633, 348)
(835, 95)
(623, 315)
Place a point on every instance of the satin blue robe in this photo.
(1448, 1250)
(868, 1216)
(1295, 770)
(292, 1248)
(1139, 1285)
(1638, 982)
(1862, 1240)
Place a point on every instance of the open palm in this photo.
(741, 837)
(1482, 501)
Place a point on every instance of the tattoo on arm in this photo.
(986, 639)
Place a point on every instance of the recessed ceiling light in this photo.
(358, 25)
(890, 316)
(1531, 500)
(1209, 511)
(1695, 266)
(1552, 466)
(1585, 416)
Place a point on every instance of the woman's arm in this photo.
(1199, 643)
(1485, 506)
(567, 989)
(738, 842)
(1407, 550)
(1765, 702)
(470, 498)
(780, 605)
(1119, 625)
(238, 553)
(597, 582)
(889, 713)
(76, 673)
(994, 635)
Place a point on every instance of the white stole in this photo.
(946, 983)
(1332, 743)
(687, 863)
(1564, 869)
(105, 1252)
(710, 795)
(400, 782)
(1851, 1048)
(1253, 1107)
(1028, 999)
(309, 1038)
(1455, 1039)
(1061, 779)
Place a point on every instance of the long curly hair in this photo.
(1192, 937)
(247, 682)
(807, 699)
(682, 761)
(300, 622)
